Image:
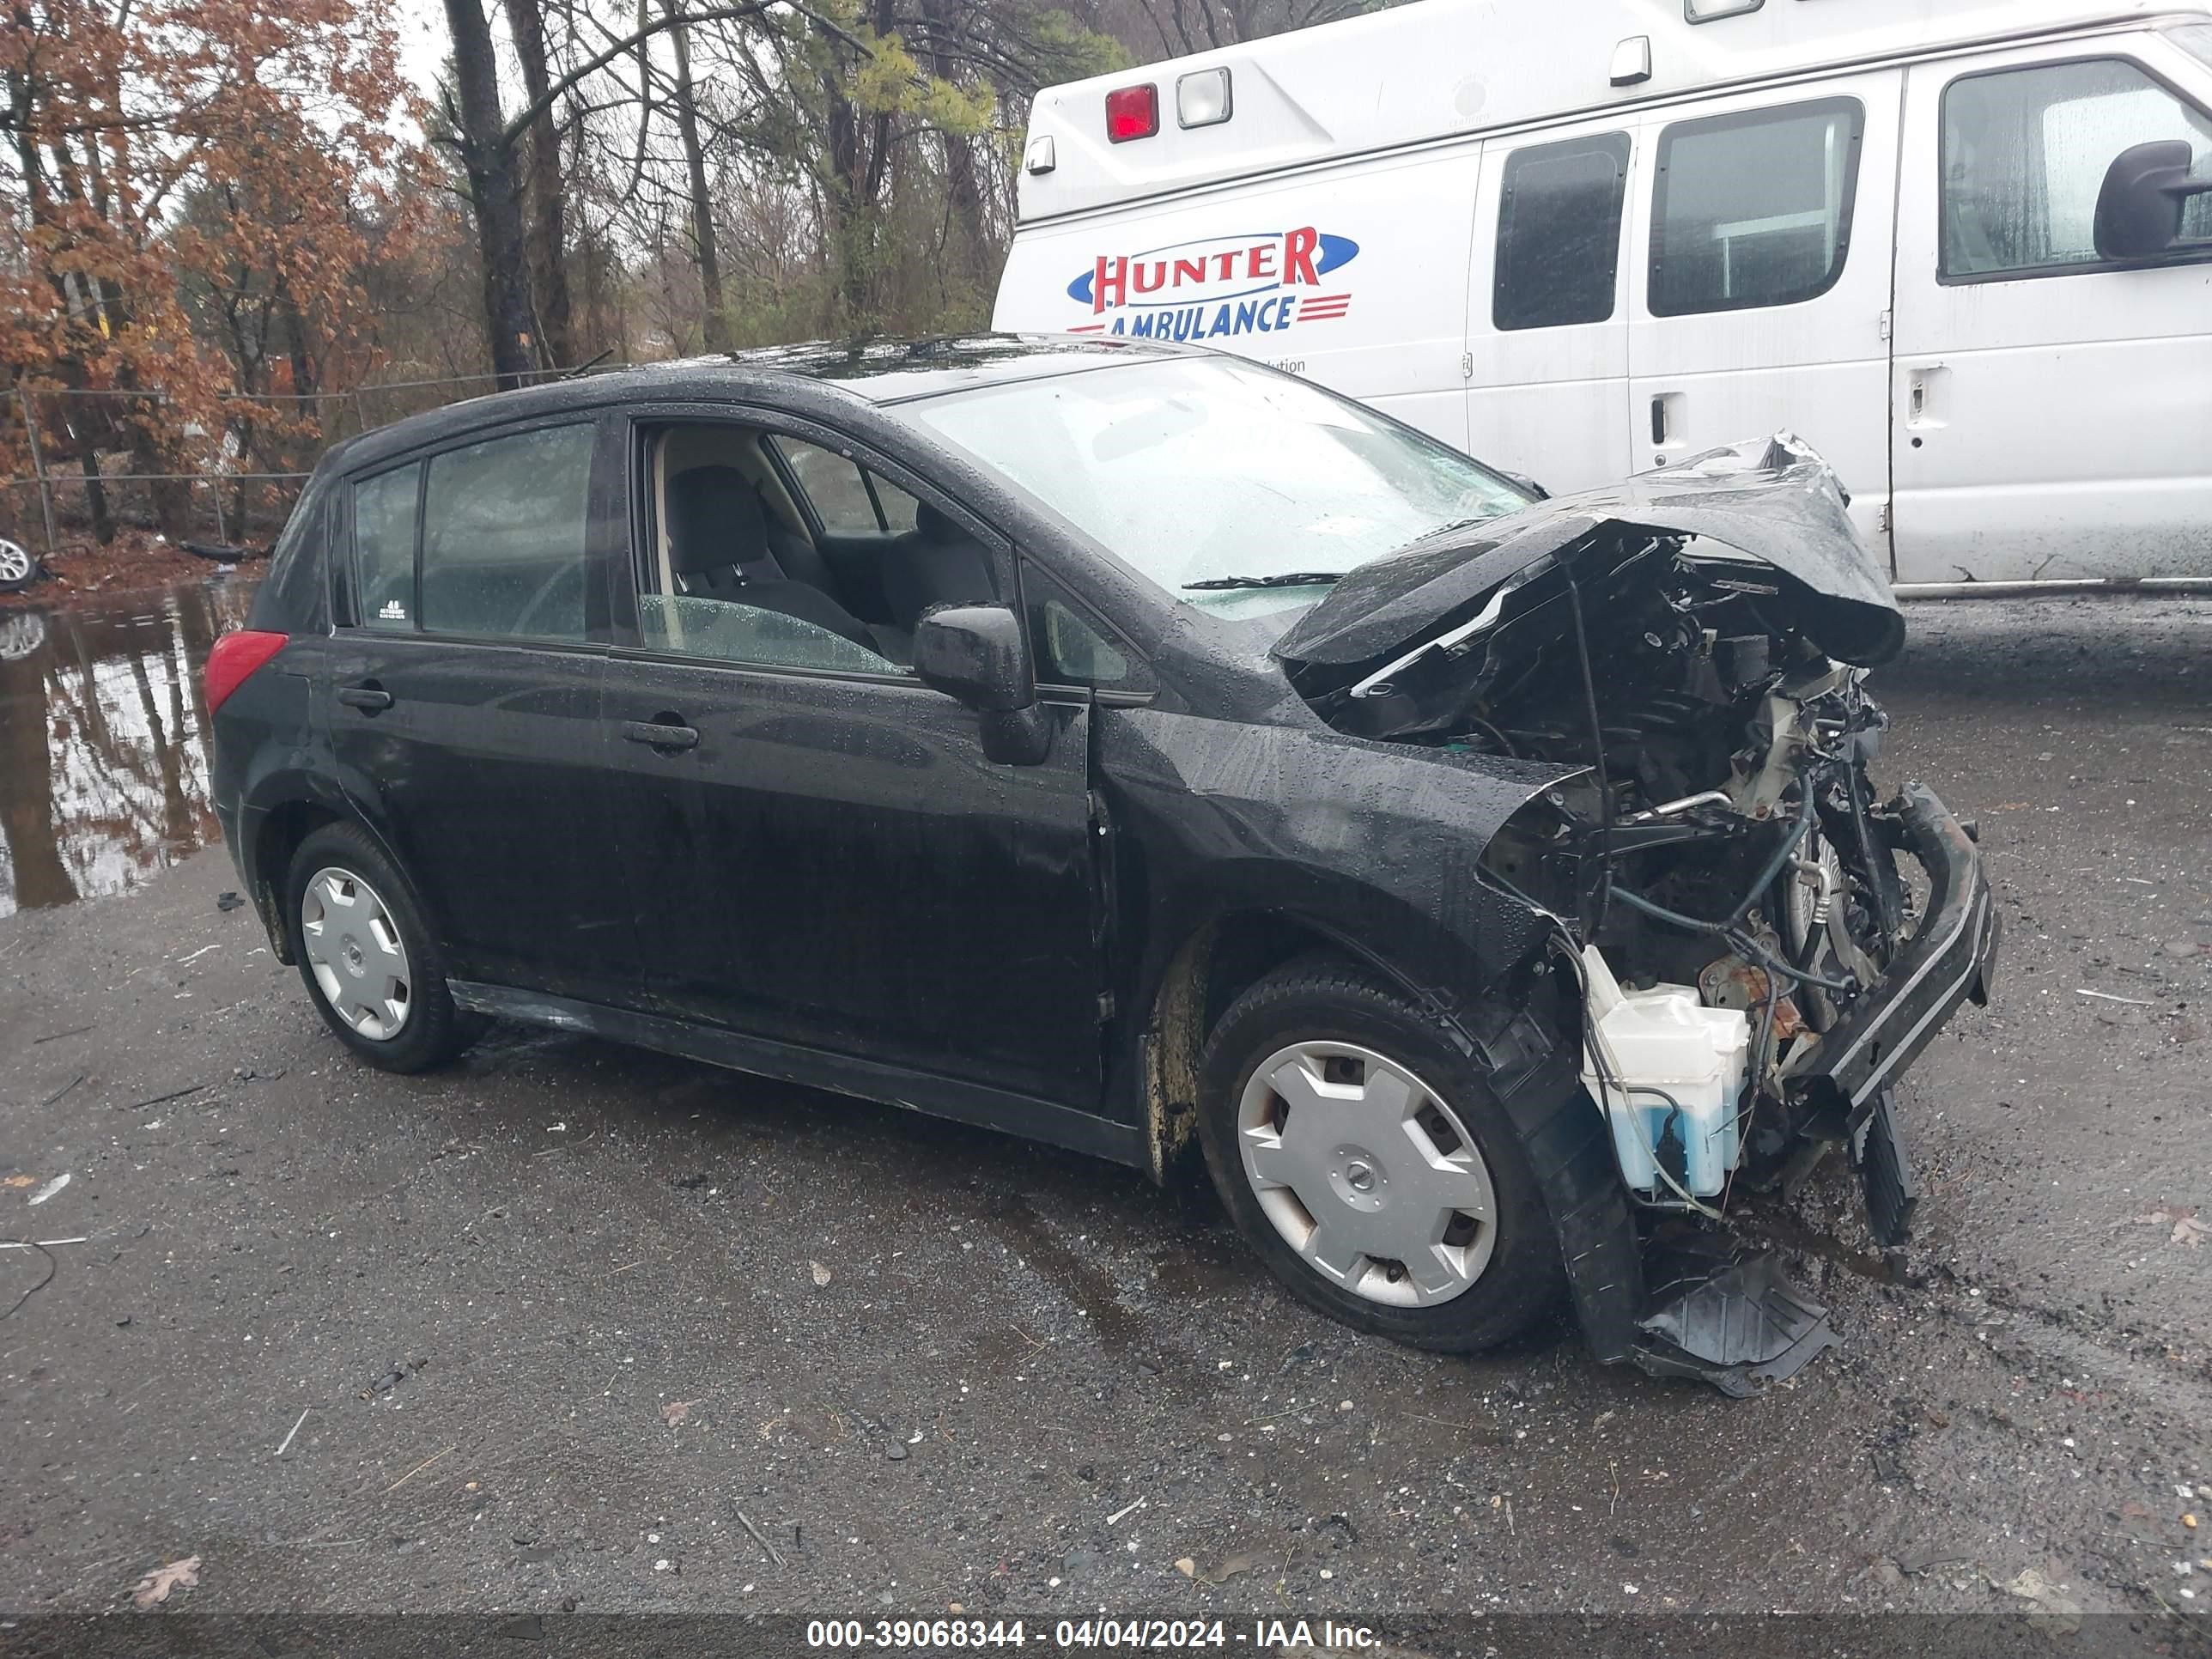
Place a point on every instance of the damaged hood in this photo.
(1776, 502)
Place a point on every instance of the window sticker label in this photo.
(393, 611)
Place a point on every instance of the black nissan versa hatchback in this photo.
(1136, 749)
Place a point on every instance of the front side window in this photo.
(1754, 210)
(506, 533)
(1559, 233)
(384, 548)
(1226, 484)
(2025, 154)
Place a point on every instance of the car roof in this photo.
(878, 372)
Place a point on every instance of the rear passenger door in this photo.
(465, 671)
(1548, 318)
(1761, 280)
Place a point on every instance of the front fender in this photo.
(1376, 845)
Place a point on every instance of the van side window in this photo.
(384, 548)
(1755, 208)
(1559, 233)
(505, 535)
(2025, 153)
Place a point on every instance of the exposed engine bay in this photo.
(1725, 882)
(1726, 837)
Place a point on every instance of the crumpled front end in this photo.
(1757, 941)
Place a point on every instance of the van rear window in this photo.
(1755, 208)
(1559, 233)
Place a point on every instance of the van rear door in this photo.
(2054, 407)
(1761, 278)
(1354, 276)
(1547, 311)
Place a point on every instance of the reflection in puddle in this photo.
(103, 763)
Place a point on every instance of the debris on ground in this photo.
(154, 1589)
(286, 1444)
(51, 1187)
(2065, 1615)
(1221, 1574)
(2187, 1230)
(773, 1554)
(822, 1275)
(227, 902)
(678, 1412)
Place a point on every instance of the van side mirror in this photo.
(974, 654)
(2139, 210)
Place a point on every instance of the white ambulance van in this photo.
(1963, 246)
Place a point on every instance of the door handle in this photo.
(367, 698)
(661, 734)
(1659, 421)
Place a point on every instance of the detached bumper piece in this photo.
(1886, 1172)
(1731, 1319)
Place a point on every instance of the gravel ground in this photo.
(575, 1326)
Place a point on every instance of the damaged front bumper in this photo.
(1950, 959)
(1691, 1304)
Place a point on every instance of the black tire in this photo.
(1327, 999)
(434, 1030)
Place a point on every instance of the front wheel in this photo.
(371, 966)
(1367, 1159)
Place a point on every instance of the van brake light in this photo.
(235, 659)
(1133, 112)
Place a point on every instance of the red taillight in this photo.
(235, 658)
(1133, 112)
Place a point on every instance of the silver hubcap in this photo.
(1367, 1174)
(355, 952)
(15, 562)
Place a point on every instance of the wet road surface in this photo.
(562, 1321)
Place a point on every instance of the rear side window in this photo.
(1559, 233)
(2025, 154)
(1755, 208)
(506, 535)
(384, 511)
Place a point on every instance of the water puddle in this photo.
(103, 752)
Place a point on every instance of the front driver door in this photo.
(830, 862)
(2053, 410)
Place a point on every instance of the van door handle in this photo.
(367, 698)
(661, 734)
(1659, 421)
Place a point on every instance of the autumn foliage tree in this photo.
(187, 189)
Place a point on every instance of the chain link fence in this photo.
(268, 448)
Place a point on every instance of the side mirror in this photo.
(1521, 480)
(974, 654)
(2139, 210)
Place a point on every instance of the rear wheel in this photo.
(371, 967)
(1367, 1160)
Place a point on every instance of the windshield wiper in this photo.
(1290, 579)
(1455, 526)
